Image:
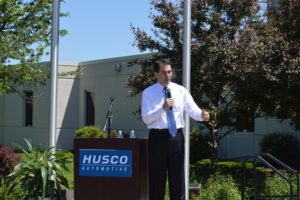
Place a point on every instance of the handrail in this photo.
(266, 163)
(280, 163)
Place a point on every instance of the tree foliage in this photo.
(243, 61)
(25, 30)
(271, 73)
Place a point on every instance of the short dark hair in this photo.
(158, 63)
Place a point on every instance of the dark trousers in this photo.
(166, 158)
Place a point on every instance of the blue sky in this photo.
(101, 28)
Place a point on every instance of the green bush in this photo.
(41, 173)
(276, 185)
(220, 188)
(18, 193)
(283, 146)
(202, 170)
(199, 146)
(114, 133)
(267, 182)
(90, 132)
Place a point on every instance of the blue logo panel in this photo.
(105, 162)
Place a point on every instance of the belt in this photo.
(163, 130)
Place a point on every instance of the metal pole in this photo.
(187, 85)
(54, 66)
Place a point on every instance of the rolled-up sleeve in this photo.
(191, 107)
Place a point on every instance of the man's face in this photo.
(164, 75)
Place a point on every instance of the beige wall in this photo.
(1, 118)
(101, 78)
(241, 144)
(14, 130)
(12, 108)
(268, 125)
(67, 112)
(98, 76)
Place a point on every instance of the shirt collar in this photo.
(160, 86)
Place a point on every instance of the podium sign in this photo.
(105, 162)
(110, 169)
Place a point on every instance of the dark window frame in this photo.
(89, 108)
(28, 115)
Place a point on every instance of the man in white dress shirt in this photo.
(161, 102)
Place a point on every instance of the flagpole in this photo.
(54, 68)
(187, 85)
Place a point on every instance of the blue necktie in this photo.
(170, 116)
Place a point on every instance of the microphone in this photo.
(168, 92)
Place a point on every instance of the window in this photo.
(28, 108)
(89, 108)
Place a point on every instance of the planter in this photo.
(70, 194)
(194, 189)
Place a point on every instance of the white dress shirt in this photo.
(153, 99)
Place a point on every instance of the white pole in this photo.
(187, 85)
(54, 66)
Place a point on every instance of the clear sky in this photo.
(101, 28)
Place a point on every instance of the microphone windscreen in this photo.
(169, 96)
(168, 93)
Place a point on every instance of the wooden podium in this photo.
(110, 169)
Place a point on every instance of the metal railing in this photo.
(260, 157)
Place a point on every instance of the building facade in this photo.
(81, 101)
(85, 100)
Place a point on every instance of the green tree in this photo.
(271, 72)
(25, 30)
(285, 15)
(215, 27)
(238, 60)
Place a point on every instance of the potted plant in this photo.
(90, 132)
(40, 174)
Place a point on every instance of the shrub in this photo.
(8, 160)
(199, 146)
(220, 188)
(90, 132)
(41, 173)
(114, 133)
(4, 195)
(283, 146)
(202, 170)
(276, 185)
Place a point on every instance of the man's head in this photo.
(163, 71)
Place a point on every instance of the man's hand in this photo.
(168, 103)
(205, 115)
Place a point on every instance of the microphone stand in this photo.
(109, 117)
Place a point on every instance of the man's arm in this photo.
(193, 109)
(149, 112)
